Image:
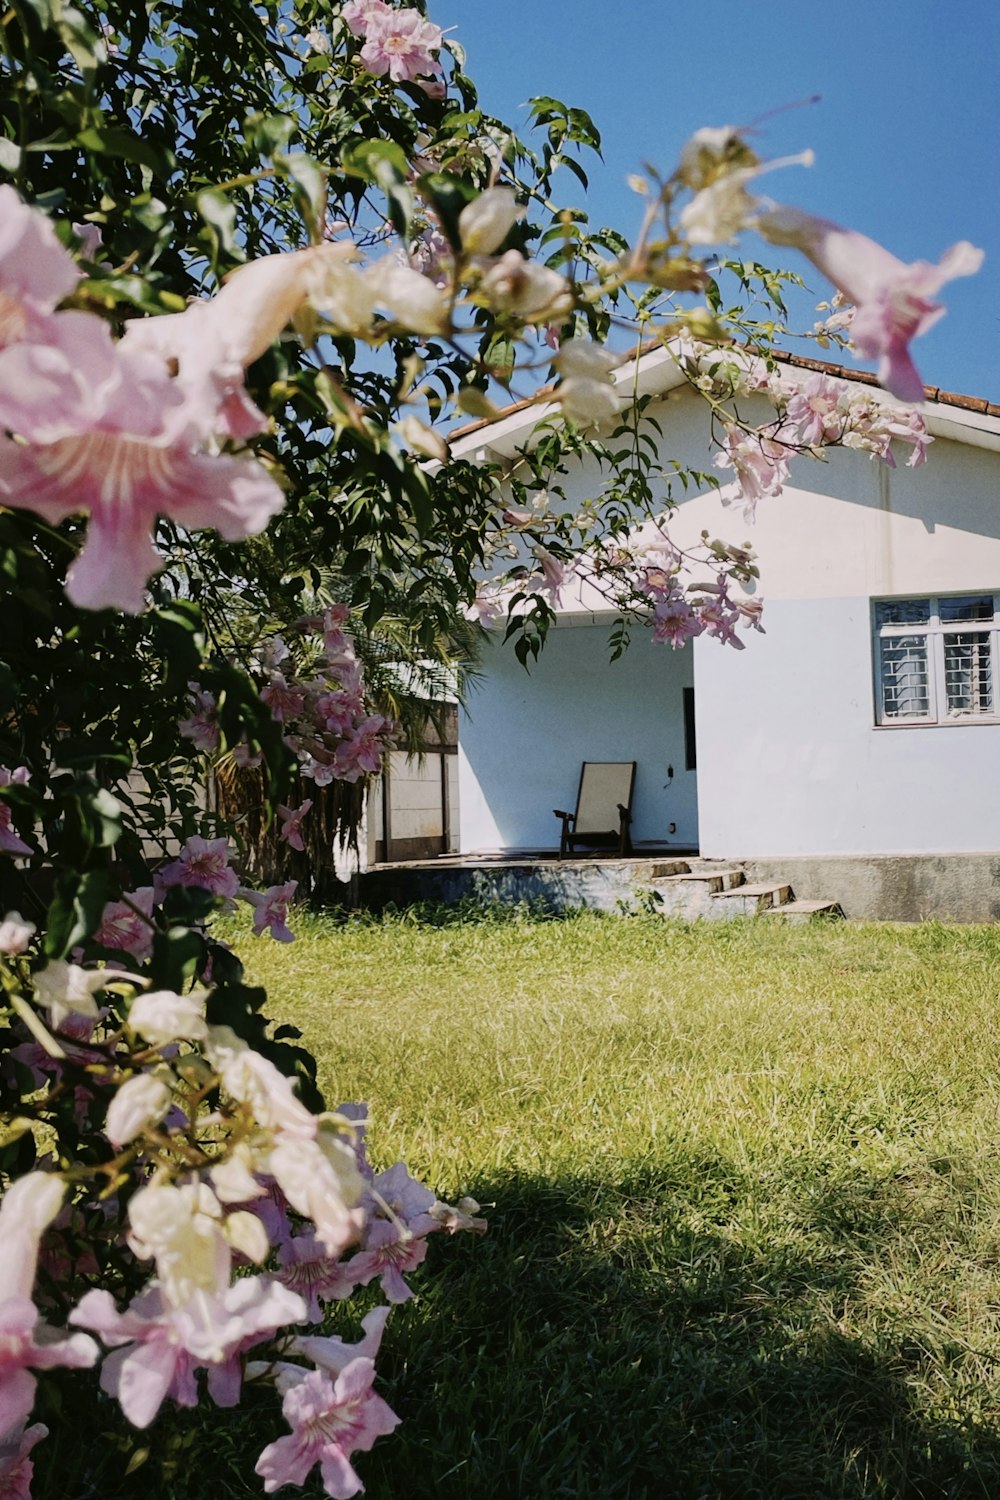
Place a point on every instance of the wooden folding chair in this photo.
(603, 813)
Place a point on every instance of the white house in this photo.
(854, 746)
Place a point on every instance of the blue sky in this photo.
(906, 133)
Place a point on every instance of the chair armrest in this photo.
(560, 814)
(623, 813)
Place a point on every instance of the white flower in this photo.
(587, 393)
(341, 292)
(721, 210)
(15, 933)
(27, 1208)
(181, 1229)
(317, 40)
(584, 359)
(320, 1179)
(163, 1017)
(704, 153)
(412, 299)
(65, 989)
(256, 1082)
(522, 287)
(485, 223)
(233, 1178)
(140, 1103)
(587, 401)
(247, 1234)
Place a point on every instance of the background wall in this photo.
(521, 742)
(790, 759)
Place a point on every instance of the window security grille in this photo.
(936, 658)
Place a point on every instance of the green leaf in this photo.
(369, 159)
(75, 911)
(270, 133)
(220, 216)
(178, 955)
(114, 140)
(309, 182)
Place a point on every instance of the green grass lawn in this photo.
(743, 1184)
(744, 1189)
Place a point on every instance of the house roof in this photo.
(970, 419)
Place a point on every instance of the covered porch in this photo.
(525, 734)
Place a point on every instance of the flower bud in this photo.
(485, 223)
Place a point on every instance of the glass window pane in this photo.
(968, 673)
(973, 607)
(905, 686)
(903, 612)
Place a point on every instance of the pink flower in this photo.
(16, 1468)
(361, 754)
(10, 843)
(400, 43)
(406, 1198)
(308, 1268)
(271, 910)
(108, 432)
(818, 410)
(202, 726)
(90, 238)
(208, 346)
(330, 1420)
(389, 1251)
(122, 926)
(760, 463)
(25, 1344)
(284, 702)
(158, 1347)
(204, 863)
(331, 1354)
(245, 758)
(431, 254)
(291, 824)
(339, 709)
(674, 622)
(36, 273)
(893, 300)
(195, 344)
(358, 15)
(553, 575)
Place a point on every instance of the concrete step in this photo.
(691, 894)
(664, 869)
(804, 911)
(716, 880)
(750, 900)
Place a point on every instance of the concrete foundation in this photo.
(562, 885)
(893, 888)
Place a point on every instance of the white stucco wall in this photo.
(790, 758)
(524, 735)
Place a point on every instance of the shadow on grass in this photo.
(597, 1344)
(634, 1340)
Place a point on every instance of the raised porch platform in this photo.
(597, 880)
(675, 880)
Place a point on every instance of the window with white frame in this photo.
(936, 659)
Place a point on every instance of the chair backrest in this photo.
(603, 784)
